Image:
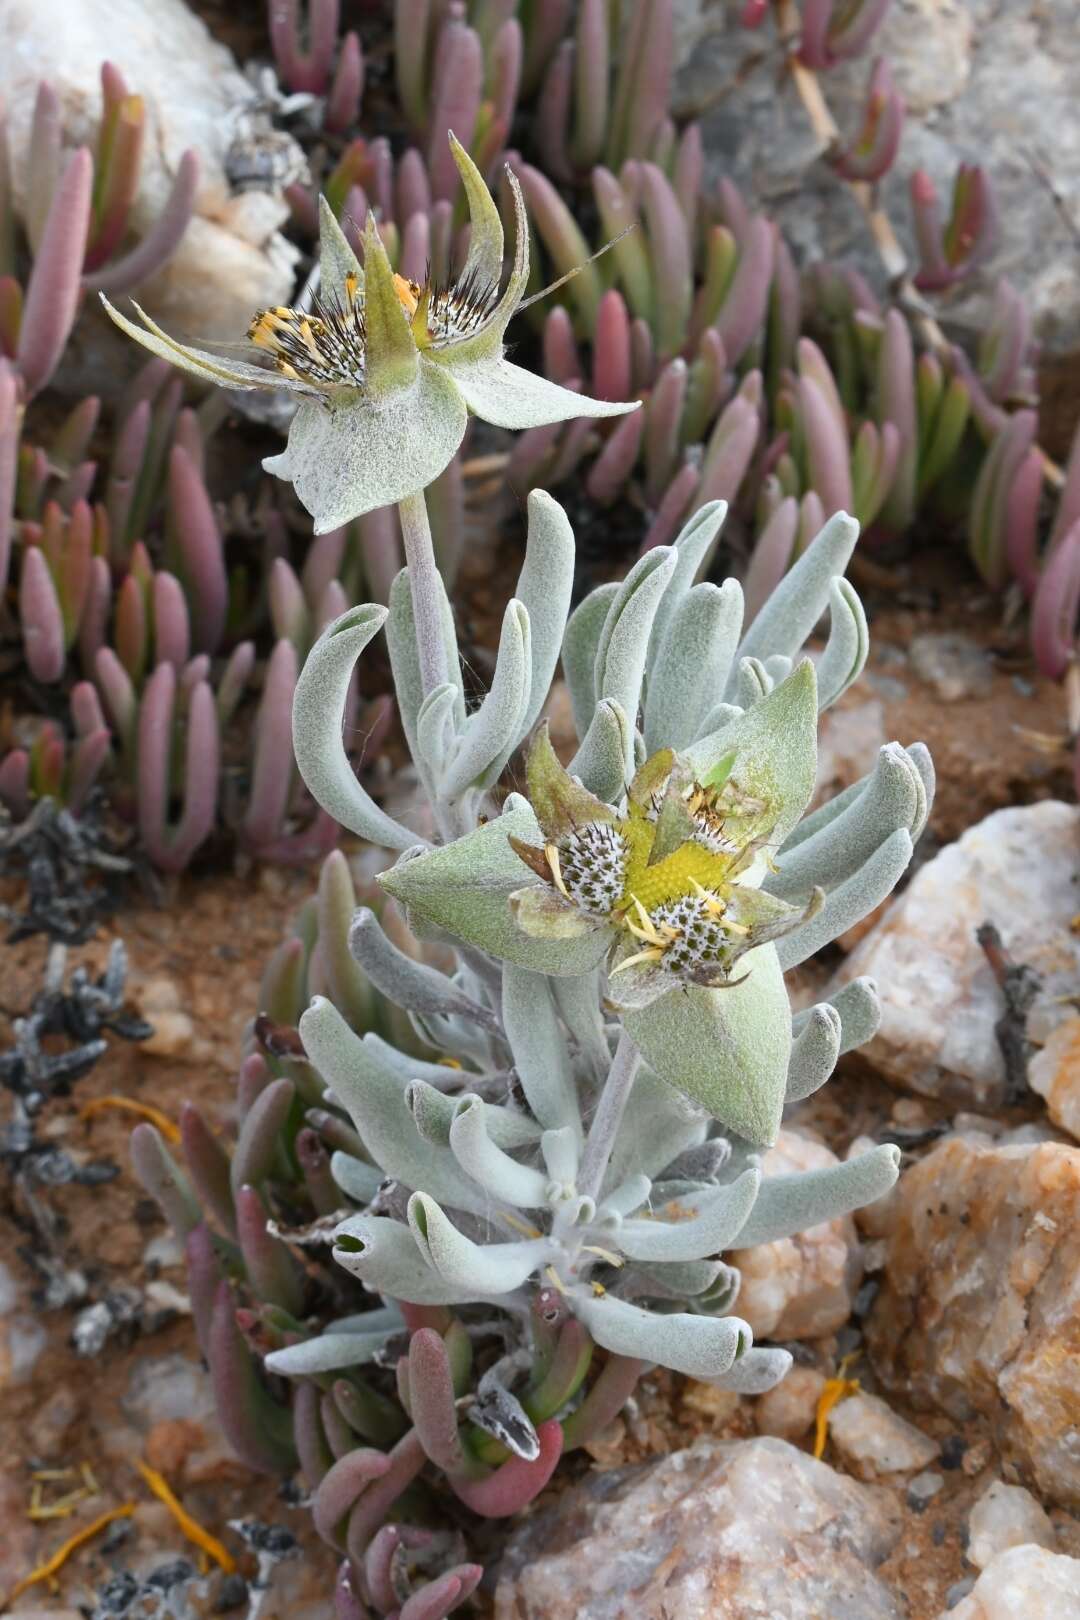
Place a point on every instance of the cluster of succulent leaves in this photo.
(434, 1256)
(791, 396)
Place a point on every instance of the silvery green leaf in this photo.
(629, 1196)
(600, 762)
(849, 642)
(680, 1280)
(374, 1098)
(717, 1220)
(336, 258)
(700, 1346)
(716, 719)
(465, 887)
(406, 982)
(346, 457)
(544, 587)
(775, 747)
(405, 659)
(484, 264)
(658, 1123)
(858, 1006)
(435, 735)
(493, 732)
(789, 1204)
(891, 796)
(561, 1152)
(201, 363)
(749, 683)
(434, 1113)
(727, 1049)
(487, 1165)
(756, 1372)
(919, 755)
(489, 1268)
(814, 1052)
(690, 670)
(580, 642)
(508, 396)
(330, 1352)
(439, 1075)
(318, 718)
(777, 668)
(851, 901)
(538, 1046)
(624, 640)
(391, 357)
(802, 596)
(383, 1254)
(704, 1162)
(578, 1001)
(357, 1179)
(694, 545)
(384, 1318)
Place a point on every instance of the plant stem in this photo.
(608, 1116)
(426, 590)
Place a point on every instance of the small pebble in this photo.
(953, 665)
(922, 1490)
(975, 1458)
(874, 1440)
(232, 1592)
(953, 1448)
(958, 1591)
(1006, 1516)
(789, 1410)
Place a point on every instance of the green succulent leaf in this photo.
(465, 888)
(726, 1049)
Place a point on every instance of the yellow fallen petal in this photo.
(98, 1105)
(835, 1391)
(191, 1529)
(46, 1571)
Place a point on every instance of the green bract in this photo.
(386, 372)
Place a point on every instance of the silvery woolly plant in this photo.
(538, 1190)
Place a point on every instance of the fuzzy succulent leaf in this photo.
(814, 1052)
(789, 1204)
(318, 718)
(465, 887)
(374, 1097)
(580, 643)
(540, 1054)
(726, 1049)
(700, 1346)
(713, 1225)
(892, 796)
(802, 596)
(690, 669)
(483, 1268)
(851, 901)
(600, 762)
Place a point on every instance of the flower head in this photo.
(662, 874)
(387, 370)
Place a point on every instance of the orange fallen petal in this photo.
(193, 1530)
(98, 1105)
(46, 1571)
(835, 1391)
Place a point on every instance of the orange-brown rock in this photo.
(979, 1309)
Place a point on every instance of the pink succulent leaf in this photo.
(160, 242)
(53, 291)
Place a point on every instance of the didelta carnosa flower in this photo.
(663, 874)
(387, 371)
